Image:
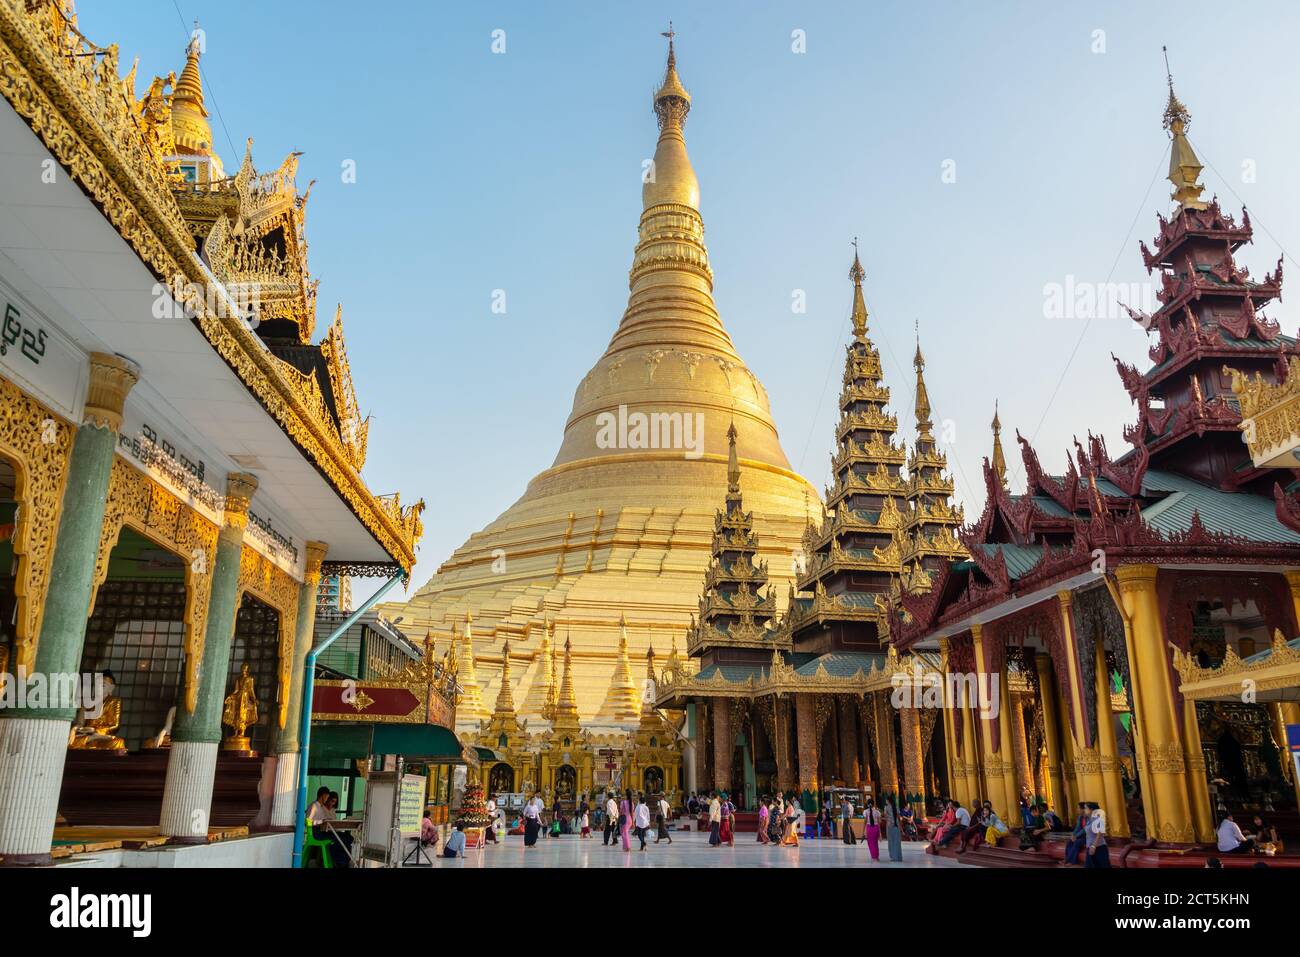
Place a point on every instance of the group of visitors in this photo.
(779, 821)
(323, 810)
(1232, 840)
(630, 817)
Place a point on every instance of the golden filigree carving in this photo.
(136, 500)
(72, 96)
(39, 445)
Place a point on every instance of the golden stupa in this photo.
(620, 525)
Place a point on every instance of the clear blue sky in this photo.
(521, 172)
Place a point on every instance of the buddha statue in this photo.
(240, 711)
(94, 732)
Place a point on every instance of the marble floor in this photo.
(689, 849)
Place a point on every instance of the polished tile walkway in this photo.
(689, 850)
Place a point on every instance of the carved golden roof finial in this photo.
(923, 422)
(733, 463)
(856, 275)
(999, 459)
(671, 179)
(568, 701)
(1184, 166)
(190, 124)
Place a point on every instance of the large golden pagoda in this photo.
(621, 522)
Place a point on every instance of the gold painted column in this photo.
(723, 743)
(1282, 713)
(1198, 788)
(846, 713)
(1060, 793)
(1161, 733)
(909, 721)
(882, 719)
(806, 734)
(1086, 760)
(1006, 742)
(1108, 751)
(1020, 739)
(971, 751)
(994, 780)
(785, 776)
(956, 769)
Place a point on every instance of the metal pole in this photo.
(308, 690)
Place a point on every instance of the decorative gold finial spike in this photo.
(1184, 165)
(999, 458)
(856, 275)
(923, 422)
(733, 462)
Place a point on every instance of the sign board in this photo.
(38, 357)
(391, 802)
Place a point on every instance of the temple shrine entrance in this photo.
(135, 638)
(501, 779)
(566, 782)
(257, 644)
(653, 781)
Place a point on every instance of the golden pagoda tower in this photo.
(189, 118)
(470, 709)
(504, 712)
(623, 517)
(1184, 165)
(932, 519)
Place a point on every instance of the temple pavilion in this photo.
(180, 458)
(1148, 600)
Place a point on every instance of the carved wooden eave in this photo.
(1211, 223)
(1278, 670)
(75, 100)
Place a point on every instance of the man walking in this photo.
(715, 819)
(611, 820)
(661, 821)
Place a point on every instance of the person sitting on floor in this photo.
(428, 830)
(973, 836)
(1054, 822)
(908, 818)
(1231, 840)
(1035, 826)
(945, 830)
(455, 843)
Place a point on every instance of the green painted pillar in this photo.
(34, 741)
(285, 738)
(196, 735)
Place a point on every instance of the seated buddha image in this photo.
(94, 732)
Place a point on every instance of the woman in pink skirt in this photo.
(871, 828)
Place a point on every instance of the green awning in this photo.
(417, 742)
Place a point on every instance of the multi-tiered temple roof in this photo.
(1187, 489)
(738, 606)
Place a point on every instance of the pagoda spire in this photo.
(623, 703)
(191, 128)
(856, 275)
(923, 422)
(470, 706)
(999, 459)
(674, 179)
(566, 706)
(1184, 166)
(932, 522)
(505, 705)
